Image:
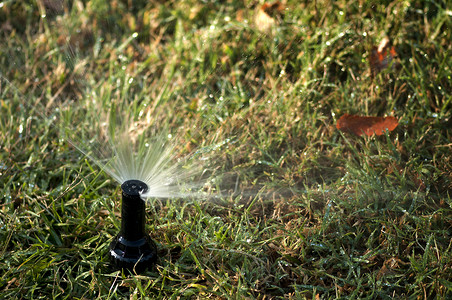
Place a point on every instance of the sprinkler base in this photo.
(135, 256)
(132, 249)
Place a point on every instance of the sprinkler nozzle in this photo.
(132, 248)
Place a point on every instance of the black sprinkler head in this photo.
(132, 249)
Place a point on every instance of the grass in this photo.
(307, 211)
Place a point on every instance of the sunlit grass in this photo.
(302, 210)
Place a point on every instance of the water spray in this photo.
(132, 249)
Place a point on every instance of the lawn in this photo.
(248, 94)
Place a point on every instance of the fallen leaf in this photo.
(267, 15)
(381, 56)
(367, 125)
(263, 21)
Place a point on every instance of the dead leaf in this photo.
(263, 21)
(268, 15)
(381, 56)
(367, 125)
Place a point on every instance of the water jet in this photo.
(132, 249)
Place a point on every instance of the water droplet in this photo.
(135, 34)
(43, 16)
(227, 19)
(21, 128)
(1, 4)
(130, 80)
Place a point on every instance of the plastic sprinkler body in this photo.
(132, 249)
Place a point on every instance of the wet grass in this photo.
(307, 211)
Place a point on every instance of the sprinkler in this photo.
(132, 249)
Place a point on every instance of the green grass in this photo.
(307, 211)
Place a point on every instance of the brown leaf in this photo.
(367, 125)
(381, 56)
(263, 21)
(268, 15)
